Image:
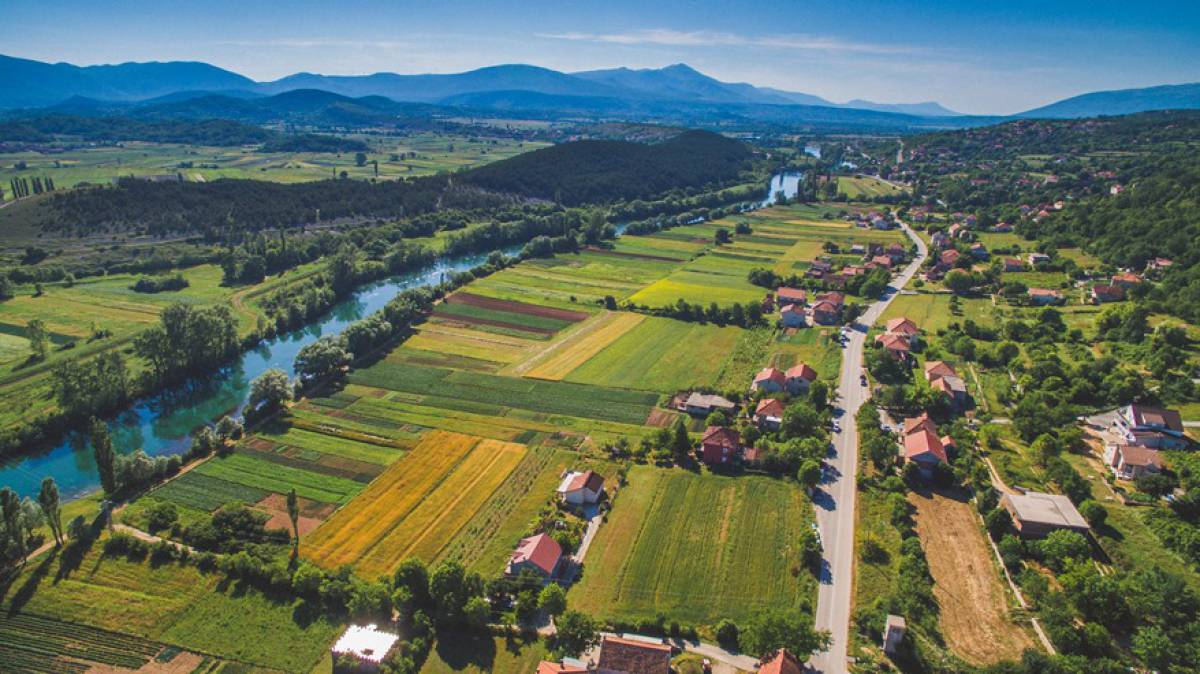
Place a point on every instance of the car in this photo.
(863, 379)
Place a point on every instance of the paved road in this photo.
(834, 500)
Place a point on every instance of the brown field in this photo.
(559, 360)
(636, 256)
(515, 307)
(461, 322)
(660, 418)
(974, 607)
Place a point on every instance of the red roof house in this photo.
(902, 326)
(1105, 293)
(769, 380)
(579, 488)
(783, 662)
(720, 445)
(825, 313)
(896, 345)
(546, 667)
(633, 656)
(768, 414)
(791, 295)
(799, 377)
(540, 554)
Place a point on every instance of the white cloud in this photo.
(708, 38)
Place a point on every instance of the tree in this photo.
(1063, 545)
(1094, 513)
(49, 503)
(768, 632)
(681, 444)
(269, 391)
(293, 509)
(477, 613)
(360, 159)
(106, 460)
(17, 543)
(322, 358)
(552, 599)
(575, 633)
(959, 282)
(727, 633)
(809, 474)
(36, 333)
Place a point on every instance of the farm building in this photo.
(799, 377)
(366, 644)
(1150, 427)
(540, 554)
(783, 662)
(769, 380)
(703, 404)
(792, 316)
(625, 655)
(1129, 462)
(1036, 514)
(1044, 296)
(581, 488)
(768, 415)
(720, 445)
(1038, 258)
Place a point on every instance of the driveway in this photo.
(835, 499)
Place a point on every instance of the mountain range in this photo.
(676, 90)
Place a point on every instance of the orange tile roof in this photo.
(783, 662)
(802, 371)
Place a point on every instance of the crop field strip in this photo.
(730, 559)
(241, 468)
(195, 490)
(555, 363)
(30, 643)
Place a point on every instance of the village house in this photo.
(704, 404)
(1158, 264)
(785, 295)
(979, 251)
(1035, 514)
(1013, 264)
(825, 312)
(922, 446)
(768, 415)
(769, 380)
(942, 377)
(897, 253)
(956, 231)
(799, 378)
(782, 662)
(1129, 462)
(567, 666)
(626, 655)
(902, 326)
(719, 445)
(368, 645)
(897, 346)
(1103, 293)
(1044, 296)
(1002, 228)
(1150, 427)
(939, 239)
(1038, 258)
(1116, 189)
(858, 249)
(882, 261)
(949, 258)
(792, 316)
(540, 554)
(581, 488)
(820, 267)
(1126, 279)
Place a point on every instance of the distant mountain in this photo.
(30, 83)
(1121, 102)
(684, 83)
(926, 109)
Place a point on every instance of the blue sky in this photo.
(977, 57)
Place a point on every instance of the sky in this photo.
(970, 55)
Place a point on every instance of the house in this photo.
(1150, 427)
(1036, 514)
(540, 554)
(979, 251)
(581, 488)
(367, 644)
(956, 231)
(1116, 189)
(893, 634)
(1129, 462)
(787, 295)
(703, 404)
(896, 252)
(769, 380)
(1126, 279)
(1158, 264)
(1002, 228)
(820, 266)
(625, 655)
(949, 258)
(922, 446)
(896, 345)
(858, 249)
(567, 666)
(1038, 258)
(936, 369)
(1044, 296)
(768, 415)
(1102, 294)
(942, 377)
(719, 445)
(825, 313)
(798, 378)
(902, 326)
(1013, 264)
(782, 662)
(884, 261)
(836, 298)
(881, 224)
(939, 239)
(792, 316)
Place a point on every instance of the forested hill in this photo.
(597, 171)
(214, 132)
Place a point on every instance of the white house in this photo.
(792, 316)
(581, 488)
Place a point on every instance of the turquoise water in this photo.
(162, 424)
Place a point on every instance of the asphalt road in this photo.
(834, 499)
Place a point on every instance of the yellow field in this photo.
(470, 343)
(832, 224)
(580, 347)
(356, 529)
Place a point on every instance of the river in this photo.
(162, 424)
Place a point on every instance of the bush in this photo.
(161, 516)
(1094, 513)
(727, 634)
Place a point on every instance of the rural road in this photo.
(834, 499)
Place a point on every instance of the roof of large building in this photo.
(950, 384)
(1050, 509)
(1142, 415)
(540, 550)
(893, 342)
(697, 399)
(365, 643)
(783, 662)
(632, 656)
(801, 371)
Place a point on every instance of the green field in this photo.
(250, 471)
(865, 187)
(475, 654)
(697, 548)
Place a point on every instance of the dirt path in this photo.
(974, 609)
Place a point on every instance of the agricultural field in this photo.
(416, 506)
(474, 654)
(579, 348)
(865, 187)
(416, 155)
(735, 557)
